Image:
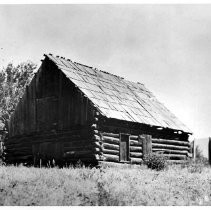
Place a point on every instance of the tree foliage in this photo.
(199, 157)
(199, 153)
(13, 80)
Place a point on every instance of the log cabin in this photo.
(72, 112)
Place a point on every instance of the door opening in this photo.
(124, 147)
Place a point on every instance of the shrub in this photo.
(155, 161)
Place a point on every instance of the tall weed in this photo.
(104, 186)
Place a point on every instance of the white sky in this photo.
(166, 47)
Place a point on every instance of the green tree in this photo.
(13, 80)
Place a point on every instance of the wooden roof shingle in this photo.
(118, 98)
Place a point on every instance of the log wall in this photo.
(142, 140)
(64, 147)
(172, 149)
(111, 150)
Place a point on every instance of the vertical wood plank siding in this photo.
(51, 101)
(51, 108)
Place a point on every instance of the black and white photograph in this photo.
(105, 104)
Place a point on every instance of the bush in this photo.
(155, 161)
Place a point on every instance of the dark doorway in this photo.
(124, 147)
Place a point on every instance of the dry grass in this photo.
(105, 186)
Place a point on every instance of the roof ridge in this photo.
(84, 65)
(67, 59)
(61, 57)
(99, 70)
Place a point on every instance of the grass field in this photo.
(106, 186)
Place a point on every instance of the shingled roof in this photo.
(118, 98)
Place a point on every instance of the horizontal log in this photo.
(18, 157)
(136, 154)
(21, 157)
(110, 146)
(96, 131)
(132, 137)
(18, 154)
(20, 145)
(65, 139)
(119, 129)
(110, 140)
(54, 140)
(18, 149)
(21, 153)
(14, 151)
(93, 149)
(17, 144)
(114, 158)
(185, 152)
(166, 146)
(84, 142)
(110, 152)
(190, 155)
(110, 134)
(81, 144)
(135, 143)
(96, 138)
(136, 160)
(78, 153)
(74, 143)
(177, 161)
(175, 157)
(94, 126)
(97, 144)
(79, 132)
(26, 157)
(135, 149)
(79, 147)
(69, 157)
(37, 138)
(173, 142)
(83, 159)
(97, 149)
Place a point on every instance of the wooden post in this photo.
(146, 144)
(192, 149)
(209, 150)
